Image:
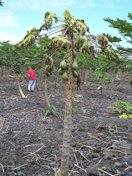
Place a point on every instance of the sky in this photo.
(18, 16)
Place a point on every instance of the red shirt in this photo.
(32, 75)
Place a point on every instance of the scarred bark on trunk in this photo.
(63, 170)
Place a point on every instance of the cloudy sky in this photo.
(18, 16)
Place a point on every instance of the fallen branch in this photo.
(92, 148)
(97, 138)
(128, 168)
(75, 158)
(80, 168)
(99, 161)
(72, 171)
(120, 132)
(17, 134)
(36, 172)
(32, 153)
(2, 167)
(19, 166)
(32, 145)
(81, 153)
(77, 165)
(106, 172)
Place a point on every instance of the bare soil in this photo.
(30, 144)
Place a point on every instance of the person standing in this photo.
(32, 79)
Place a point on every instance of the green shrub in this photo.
(122, 107)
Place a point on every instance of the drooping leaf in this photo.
(86, 46)
(60, 40)
(82, 25)
(29, 38)
(49, 18)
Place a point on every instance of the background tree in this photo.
(1, 3)
(13, 58)
(10, 58)
(124, 28)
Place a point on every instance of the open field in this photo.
(30, 145)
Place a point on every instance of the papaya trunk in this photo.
(63, 170)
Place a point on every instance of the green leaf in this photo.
(121, 106)
(68, 17)
(112, 39)
(130, 16)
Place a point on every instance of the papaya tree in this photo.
(68, 32)
(71, 30)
